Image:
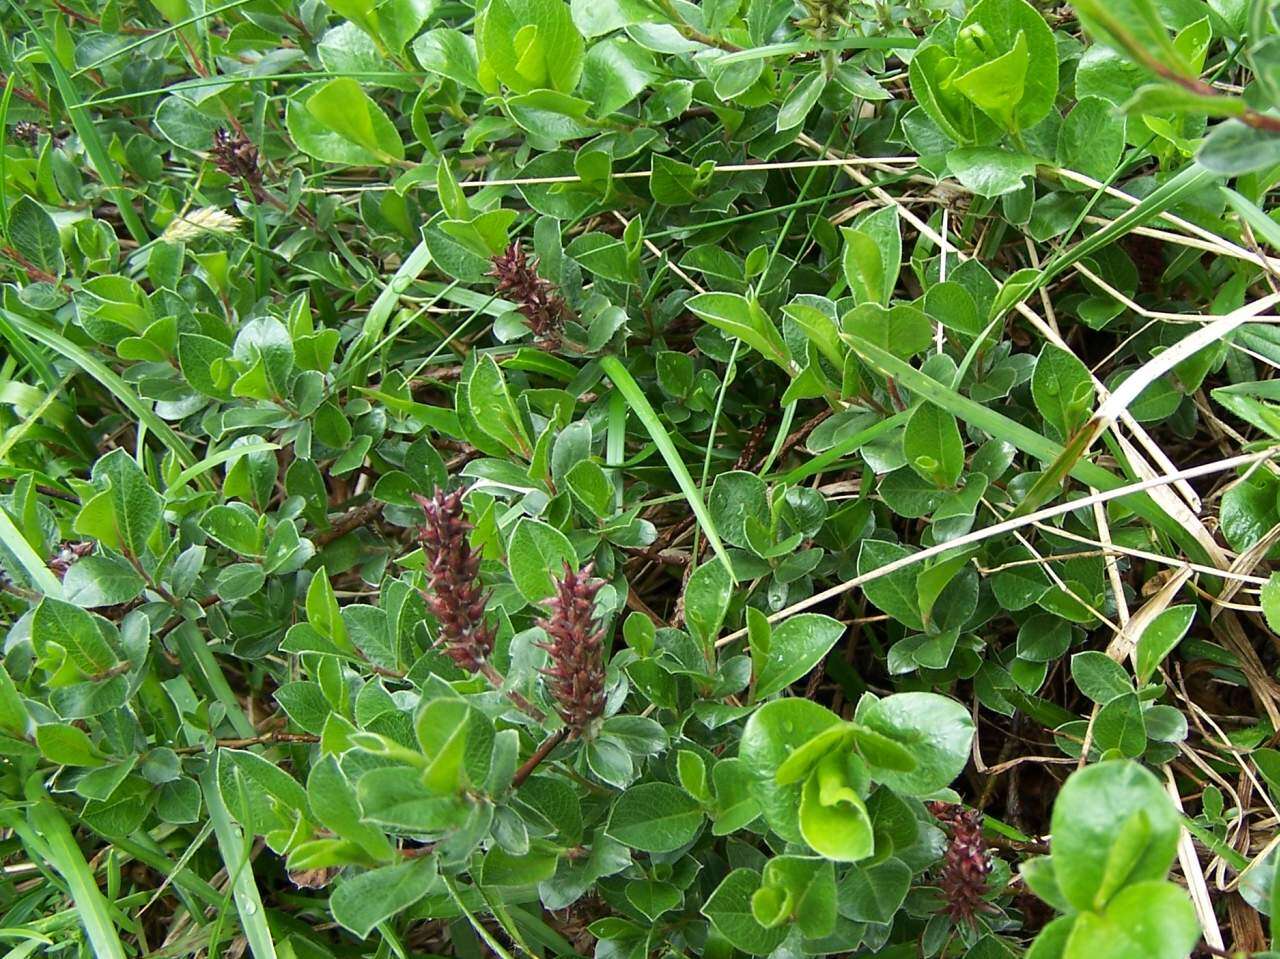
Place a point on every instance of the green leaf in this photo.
(1091, 138)
(655, 817)
(67, 745)
(903, 330)
(333, 800)
(531, 45)
(1007, 62)
(395, 797)
(363, 901)
(874, 893)
(1233, 149)
(1152, 920)
(771, 735)
(1135, 28)
(125, 513)
(1112, 813)
(931, 72)
(895, 593)
(491, 404)
(322, 609)
(1062, 390)
(997, 86)
(990, 171)
(801, 761)
(1119, 725)
(33, 234)
(552, 116)
(736, 498)
(1165, 97)
(259, 794)
(800, 100)
(810, 885)
(235, 526)
(706, 600)
(442, 727)
(614, 73)
(184, 124)
(14, 716)
(536, 555)
(1099, 676)
(833, 816)
(315, 137)
(342, 106)
(744, 319)
(1162, 635)
(450, 53)
(486, 234)
(933, 446)
(1270, 599)
(58, 623)
(101, 581)
(729, 909)
(936, 730)
(820, 328)
(795, 647)
(592, 488)
(881, 751)
(692, 771)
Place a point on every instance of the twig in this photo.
(350, 520)
(498, 683)
(539, 754)
(267, 739)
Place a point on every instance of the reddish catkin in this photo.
(236, 156)
(575, 676)
(24, 131)
(453, 591)
(962, 874)
(68, 555)
(534, 297)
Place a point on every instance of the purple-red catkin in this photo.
(453, 593)
(962, 874)
(575, 676)
(236, 156)
(534, 297)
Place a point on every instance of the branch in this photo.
(539, 754)
(495, 678)
(352, 519)
(266, 739)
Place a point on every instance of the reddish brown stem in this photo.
(495, 679)
(539, 754)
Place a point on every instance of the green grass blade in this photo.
(631, 391)
(1261, 224)
(9, 85)
(231, 843)
(812, 46)
(1024, 438)
(194, 650)
(357, 358)
(87, 130)
(112, 381)
(62, 853)
(849, 444)
(1191, 178)
(151, 37)
(220, 457)
(36, 568)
